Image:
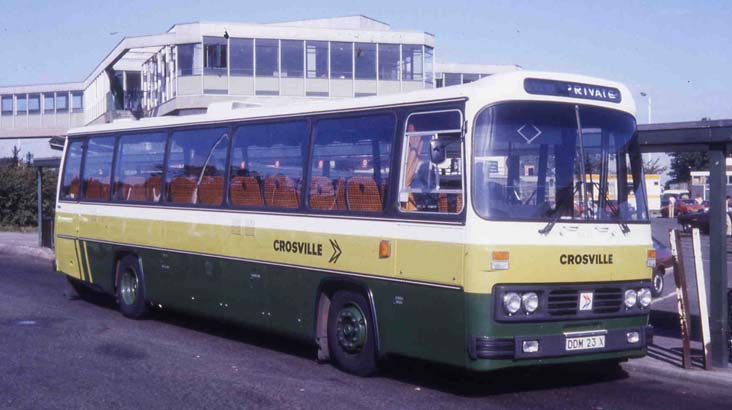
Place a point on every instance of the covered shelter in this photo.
(715, 139)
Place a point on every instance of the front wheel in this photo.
(351, 333)
(131, 288)
(657, 288)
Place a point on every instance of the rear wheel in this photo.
(351, 333)
(657, 288)
(131, 288)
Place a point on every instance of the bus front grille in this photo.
(564, 302)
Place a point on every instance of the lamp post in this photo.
(644, 94)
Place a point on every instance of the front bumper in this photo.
(553, 345)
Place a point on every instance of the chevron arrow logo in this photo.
(336, 251)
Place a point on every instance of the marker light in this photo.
(644, 297)
(499, 260)
(530, 301)
(384, 249)
(651, 258)
(632, 337)
(630, 298)
(511, 302)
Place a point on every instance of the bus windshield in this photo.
(543, 161)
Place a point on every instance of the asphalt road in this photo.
(81, 354)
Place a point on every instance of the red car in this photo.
(687, 206)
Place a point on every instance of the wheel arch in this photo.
(326, 289)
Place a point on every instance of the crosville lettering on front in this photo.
(586, 259)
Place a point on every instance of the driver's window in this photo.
(432, 163)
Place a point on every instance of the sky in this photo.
(678, 52)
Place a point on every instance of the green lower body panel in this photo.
(436, 323)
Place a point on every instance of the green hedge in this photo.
(18, 206)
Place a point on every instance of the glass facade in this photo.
(215, 59)
(316, 59)
(365, 61)
(341, 60)
(267, 57)
(389, 62)
(242, 57)
(292, 58)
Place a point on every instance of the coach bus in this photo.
(454, 225)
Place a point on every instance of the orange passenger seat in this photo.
(182, 190)
(322, 193)
(211, 190)
(245, 191)
(280, 191)
(363, 195)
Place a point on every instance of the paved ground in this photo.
(61, 354)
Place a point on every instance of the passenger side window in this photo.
(350, 163)
(266, 168)
(432, 161)
(98, 168)
(139, 168)
(70, 188)
(196, 166)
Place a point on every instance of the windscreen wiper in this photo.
(557, 214)
(624, 228)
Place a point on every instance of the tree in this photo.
(682, 163)
(653, 167)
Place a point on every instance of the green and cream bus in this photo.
(456, 225)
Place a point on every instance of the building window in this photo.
(77, 101)
(469, 78)
(452, 79)
(7, 105)
(190, 59)
(316, 59)
(365, 61)
(21, 104)
(429, 58)
(412, 62)
(267, 58)
(242, 57)
(215, 55)
(34, 103)
(341, 60)
(48, 103)
(139, 168)
(350, 163)
(196, 166)
(266, 168)
(292, 58)
(62, 102)
(389, 62)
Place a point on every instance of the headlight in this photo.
(644, 297)
(511, 302)
(630, 298)
(530, 302)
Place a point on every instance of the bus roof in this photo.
(499, 87)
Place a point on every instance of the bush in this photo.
(18, 207)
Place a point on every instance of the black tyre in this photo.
(658, 283)
(351, 333)
(131, 288)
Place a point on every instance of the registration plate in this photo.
(585, 343)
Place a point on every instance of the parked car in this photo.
(690, 206)
(664, 260)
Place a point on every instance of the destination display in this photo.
(570, 89)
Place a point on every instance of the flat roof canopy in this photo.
(686, 136)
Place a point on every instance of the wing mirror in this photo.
(437, 151)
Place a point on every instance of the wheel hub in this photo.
(351, 328)
(128, 287)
